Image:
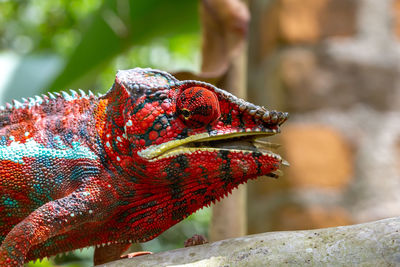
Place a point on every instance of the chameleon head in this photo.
(196, 140)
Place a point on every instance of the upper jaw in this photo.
(240, 142)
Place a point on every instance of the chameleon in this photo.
(80, 170)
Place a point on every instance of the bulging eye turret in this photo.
(197, 107)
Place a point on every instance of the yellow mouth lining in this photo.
(190, 150)
(167, 149)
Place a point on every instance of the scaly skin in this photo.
(78, 170)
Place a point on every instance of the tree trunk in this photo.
(225, 25)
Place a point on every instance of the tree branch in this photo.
(369, 244)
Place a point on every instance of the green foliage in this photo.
(118, 25)
(174, 237)
(93, 37)
(179, 52)
(43, 26)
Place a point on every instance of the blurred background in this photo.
(333, 64)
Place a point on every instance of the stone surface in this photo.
(309, 21)
(298, 22)
(396, 14)
(338, 19)
(298, 217)
(333, 63)
(314, 79)
(319, 156)
(374, 192)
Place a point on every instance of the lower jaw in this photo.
(215, 161)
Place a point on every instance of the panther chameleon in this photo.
(80, 170)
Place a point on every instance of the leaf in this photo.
(118, 25)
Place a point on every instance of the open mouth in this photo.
(241, 142)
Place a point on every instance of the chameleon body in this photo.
(78, 170)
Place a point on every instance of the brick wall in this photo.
(334, 65)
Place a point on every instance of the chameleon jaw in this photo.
(195, 143)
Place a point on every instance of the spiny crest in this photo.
(46, 98)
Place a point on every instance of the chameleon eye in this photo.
(186, 114)
(197, 107)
